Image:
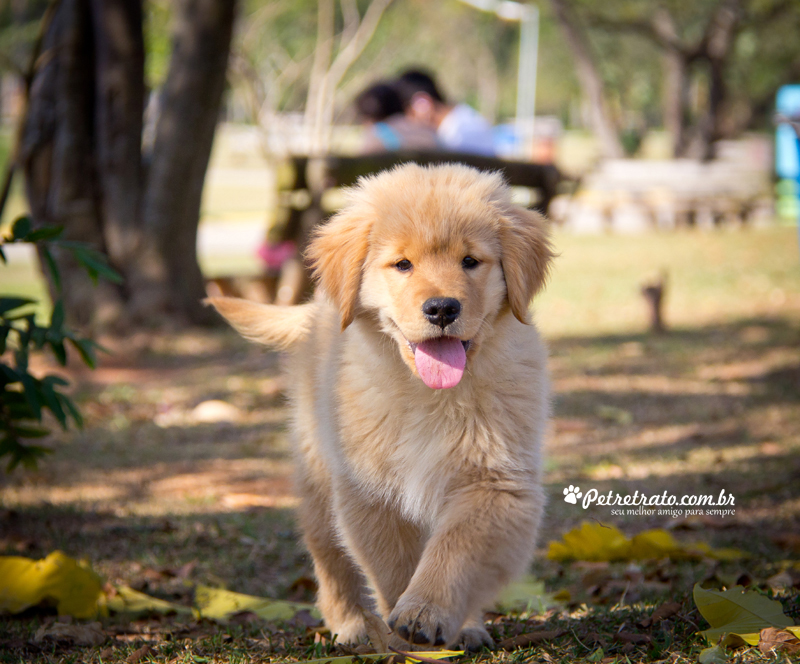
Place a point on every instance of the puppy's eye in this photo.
(469, 262)
(403, 265)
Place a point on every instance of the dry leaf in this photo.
(378, 631)
(138, 655)
(525, 640)
(90, 634)
(779, 640)
(632, 637)
(664, 611)
(738, 613)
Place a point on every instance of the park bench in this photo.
(307, 195)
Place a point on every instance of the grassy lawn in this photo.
(164, 488)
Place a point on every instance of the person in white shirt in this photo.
(459, 127)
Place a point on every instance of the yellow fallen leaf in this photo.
(701, 549)
(128, 600)
(597, 542)
(656, 543)
(219, 604)
(590, 541)
(737, 613)
(25, 583)
(376, 657)
(526, 595)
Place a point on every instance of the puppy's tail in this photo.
(276, 326)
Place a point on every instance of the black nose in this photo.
(441, 311)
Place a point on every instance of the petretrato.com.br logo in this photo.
(662, 504)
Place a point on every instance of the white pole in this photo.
(526, 78)
(528, 17)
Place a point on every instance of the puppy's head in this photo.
(435, 255)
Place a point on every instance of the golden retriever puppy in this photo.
(419, 397)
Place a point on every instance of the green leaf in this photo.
(31, 388)
(21, 228)
(4, 330)
(11, 303)
(735, 611)
(31, 455)
(10, 374)
(51, 265)
(57, 317)
(713, 655)
(46, 233)
(526, 595)
(67, 403)
(59, 351)
(51, 401)
(96, 265)
(31, 432)
(85, 348)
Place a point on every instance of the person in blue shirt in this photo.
(380, 109)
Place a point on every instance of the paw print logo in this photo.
(572, 494)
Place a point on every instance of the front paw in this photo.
(422, 623)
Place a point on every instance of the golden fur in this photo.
(418, 503)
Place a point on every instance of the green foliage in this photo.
(23, 396)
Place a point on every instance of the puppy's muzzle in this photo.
(441, 311)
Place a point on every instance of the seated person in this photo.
(459, 127)
(380, 108)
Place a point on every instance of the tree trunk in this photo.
(675, 100)
(119, 107)
(57, 157)
(590, 80)
(190, 103)
(720, 37)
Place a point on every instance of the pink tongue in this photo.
(440, 362)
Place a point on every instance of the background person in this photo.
(459, 127)
(380, 108)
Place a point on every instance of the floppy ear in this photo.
(526, 257)
(336, 254)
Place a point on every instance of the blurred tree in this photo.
(81, 151)
(591, 81)
(722, 59)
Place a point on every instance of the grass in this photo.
(155, 492)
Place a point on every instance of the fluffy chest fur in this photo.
(406, 445)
